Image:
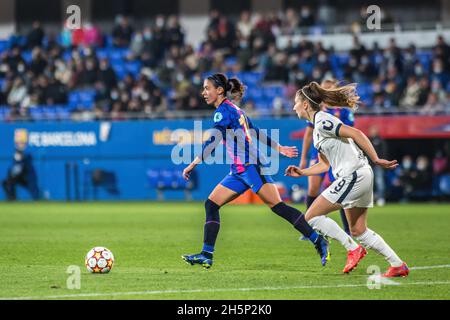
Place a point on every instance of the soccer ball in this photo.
(99, 260)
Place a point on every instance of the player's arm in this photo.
(320, 167)
(207, 148)
(290, 152)
(307, 139)
(364, 143)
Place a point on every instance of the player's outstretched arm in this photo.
(364, 143)
(320, 167)
(187, 171)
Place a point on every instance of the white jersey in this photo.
(343, 154)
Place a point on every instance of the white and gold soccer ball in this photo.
(99, 260)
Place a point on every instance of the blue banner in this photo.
(118, 160)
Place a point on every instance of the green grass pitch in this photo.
(258, 255)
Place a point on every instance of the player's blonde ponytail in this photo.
(338, 97)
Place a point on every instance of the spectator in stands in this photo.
(245, 25)
(137, 44)
(380, 146)
(411, 94)
(422, 181)
(442, 51)
(18, 93)
(38, 62)
(36, 36)
(122, 32)
(307, 18)
(92, 36)
(405, 175)
(438, 72)
(106, 74)
(424, 91)
(391, 94)
(433, 104)
(277, 69)
(440, 166)
(55, 92)
(89, 75)
(14, 62)
(174, 34)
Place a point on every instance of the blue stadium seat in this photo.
(4, 45)
(307, 67)
(62, 112)
(36, 113)
(120, 70)
(444, 184)
(273, 91)
(26, 55)
(133, 67)
(87, 98)
(102, 53)
(153, 178)
(425, 59)
(74, 98)
(230, 61)
(251, 78)
(50, 112)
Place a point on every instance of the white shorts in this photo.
(354, 190)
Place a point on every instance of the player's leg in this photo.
(229, 188)
(341, 210)
(314, 183)
(316, 217)
(357, 218)
(268, 192)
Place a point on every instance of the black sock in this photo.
(344, 221)
(296, 218)
(309, 201)
(212, 226)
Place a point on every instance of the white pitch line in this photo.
(430, 267)
(81, 295)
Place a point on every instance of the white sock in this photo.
(328, 227)
(372, 240)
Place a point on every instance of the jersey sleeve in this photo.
(309, 124)
(328, 126)
(221, 122)
(349, 118)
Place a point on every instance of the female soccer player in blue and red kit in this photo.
(315, 181)
(247, 171)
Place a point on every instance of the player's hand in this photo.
(293, 171)
(187, 173)
(290, 152)
(386, 164)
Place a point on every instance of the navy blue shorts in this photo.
(251, 178)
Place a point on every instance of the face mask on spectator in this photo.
(407, 164)
(148, 35)
(422, 164)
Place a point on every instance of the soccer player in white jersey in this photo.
(341, 147)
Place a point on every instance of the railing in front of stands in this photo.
(84, 116)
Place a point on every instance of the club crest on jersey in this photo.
(328, 128)
(217, 117)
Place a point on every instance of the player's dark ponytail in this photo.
(236, 89)
(232, 86)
